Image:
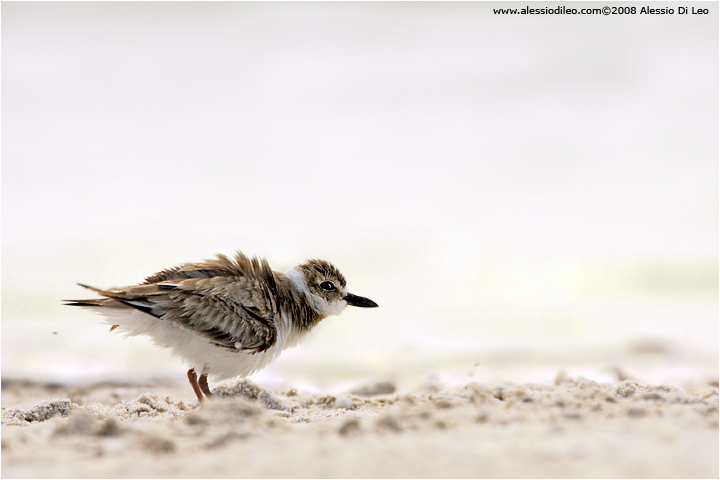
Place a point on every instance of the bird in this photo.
(226, 317)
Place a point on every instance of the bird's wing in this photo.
(231, 312)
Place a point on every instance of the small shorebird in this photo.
(226, 317)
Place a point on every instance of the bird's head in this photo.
(325, 287)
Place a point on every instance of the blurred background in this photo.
(520, 194)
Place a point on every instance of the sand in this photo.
(572, 427)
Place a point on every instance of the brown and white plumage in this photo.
(226, 317)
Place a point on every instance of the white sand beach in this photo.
(572, 427)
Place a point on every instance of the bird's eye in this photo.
(327, 286)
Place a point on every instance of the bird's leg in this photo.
(204, 385)
(194, 383)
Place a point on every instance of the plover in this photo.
(226, 317)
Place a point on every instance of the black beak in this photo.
(356, 301)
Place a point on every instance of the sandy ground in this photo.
(572, 427)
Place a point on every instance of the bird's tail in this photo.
(103, 306)
(95, 302)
